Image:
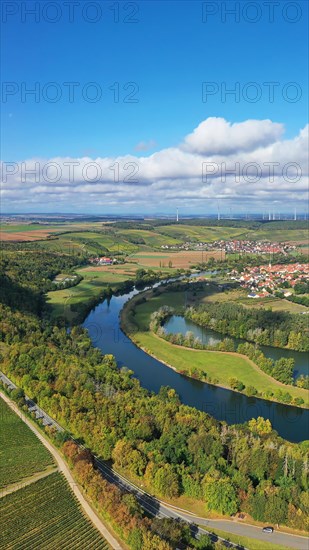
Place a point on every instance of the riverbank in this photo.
(211, 367)
(70, 306)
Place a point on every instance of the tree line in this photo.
(262, 326)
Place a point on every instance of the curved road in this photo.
(163, 509)
(151, 504)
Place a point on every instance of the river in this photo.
(103, 324)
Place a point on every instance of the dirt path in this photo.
(27, 481)
(97, 522)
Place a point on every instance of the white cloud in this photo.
(247, 162)
(217, 136)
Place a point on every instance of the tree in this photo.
(257, 504)
(70, 450)
(204, 543)
(153, 542)
(260, 425)
(276, 509)
(170, 530)
(166, 481)
(18, 395)
(283, 370)
(135, 539)
(251, 391)
(220, 496)
(121, 452)
(236, 384)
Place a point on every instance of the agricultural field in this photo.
(183, 259)
(29, 227)
(21, 453)
(46, 515)
(90, 242)
(71, 302)
(30, 231)
(23, 236)
(269, 232)
(152, 239)
(97, 237)
(108, 240)
(201, 233)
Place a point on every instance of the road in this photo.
(162, 509)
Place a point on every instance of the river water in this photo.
(103, 324)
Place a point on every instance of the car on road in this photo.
(268, 529)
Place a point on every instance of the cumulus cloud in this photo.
(217, 136)
(246, 162)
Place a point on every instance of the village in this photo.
(103, 261)
(235, 246)
(265, 280)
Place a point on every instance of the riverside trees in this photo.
(262, 326)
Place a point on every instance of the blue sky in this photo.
(168, 53)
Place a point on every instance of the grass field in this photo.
(218, 365)
(46, 515)
(21, 453)
(71, 302)
(240, 296)
(252, 544)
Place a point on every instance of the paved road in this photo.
(66, 472)
(162, 509)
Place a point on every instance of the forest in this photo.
(262, 326)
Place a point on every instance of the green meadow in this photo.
(217, 365)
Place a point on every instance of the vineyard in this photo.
(46, 515)
(21, 453)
